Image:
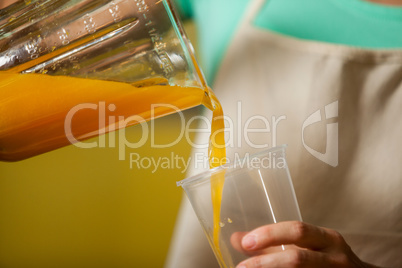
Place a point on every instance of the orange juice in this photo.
(33, 109)
(217, 157)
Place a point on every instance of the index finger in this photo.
(236, 239)
(292, 232)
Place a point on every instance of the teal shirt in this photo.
(348, 22)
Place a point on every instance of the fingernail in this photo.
(249, 241)
(241, 266)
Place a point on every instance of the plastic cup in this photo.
(257, 191)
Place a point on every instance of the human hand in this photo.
(304, 245)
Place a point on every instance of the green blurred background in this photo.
(85, 208)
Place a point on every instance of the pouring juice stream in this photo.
(217, 157)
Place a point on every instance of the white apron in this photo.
(340, 111)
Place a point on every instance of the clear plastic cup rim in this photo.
(206, 174)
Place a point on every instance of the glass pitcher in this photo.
(75, 69)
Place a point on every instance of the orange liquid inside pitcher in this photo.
(40, 113)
